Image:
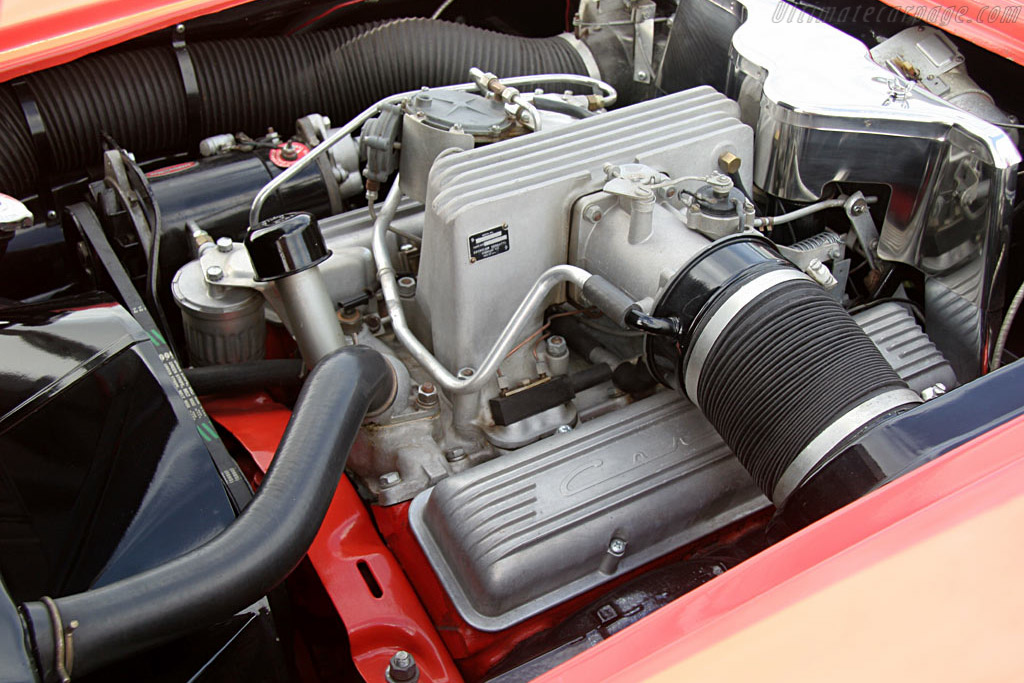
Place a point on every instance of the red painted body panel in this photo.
(36, 35)
(961, 485)
(377, 626)
(477, 652)
(996, 26)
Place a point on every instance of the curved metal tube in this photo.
(513, 330)
(261, 197)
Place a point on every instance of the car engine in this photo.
(650, 294)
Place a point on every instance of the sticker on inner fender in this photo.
(488, 243)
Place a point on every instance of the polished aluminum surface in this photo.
(522, 533)
(824, 112)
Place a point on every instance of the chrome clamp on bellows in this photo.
(784, 374)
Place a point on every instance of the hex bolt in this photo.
(389, 479)
(593, 213)
(406, 287)
(617, 546)
(426, 395)
(455, 454)
(729, 162)
(556, 346)
(402, 668)
(214, 273)
(224, 244)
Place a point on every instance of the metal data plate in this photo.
(517, 535)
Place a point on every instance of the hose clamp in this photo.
(593, 70)
(63, 650)
(720, 319)
(821, 445)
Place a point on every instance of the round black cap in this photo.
(285, 245)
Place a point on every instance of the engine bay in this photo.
(609, 311)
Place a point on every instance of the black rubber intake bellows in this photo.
(247, 84)
(785, 368)
(777, 366)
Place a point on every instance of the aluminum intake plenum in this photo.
(498, 216)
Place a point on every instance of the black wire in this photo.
(914, 307)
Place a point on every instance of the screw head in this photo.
(563, 429)
(617, 546)
(214, 273)
(859, 208)
(224, 244)
(455, 454)
(593, 213)
(641, 76)
(934, 391)
(720, 183)
(389, 479)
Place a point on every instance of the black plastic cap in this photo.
(285, 245)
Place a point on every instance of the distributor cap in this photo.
(285, 245)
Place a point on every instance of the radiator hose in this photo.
(246, 560)
(143, 101)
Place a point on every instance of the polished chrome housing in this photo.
(824, 113)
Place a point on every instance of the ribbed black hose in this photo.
(790, 364)
(248, 85)
(251, 556)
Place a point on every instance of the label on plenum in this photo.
(488, 243)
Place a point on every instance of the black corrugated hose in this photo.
(251, 556)
(139, 97)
